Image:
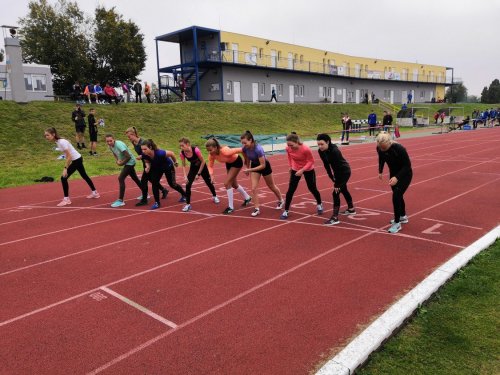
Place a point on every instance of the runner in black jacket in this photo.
(333, 160)
(400, 173)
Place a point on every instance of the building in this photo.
(223, 66)
(37, 81)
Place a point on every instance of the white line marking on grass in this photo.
(140, 308)
(448, 222)
(359, 349)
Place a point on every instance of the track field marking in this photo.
(141, 308)
(448, 222)
(495, 174)
(432, 229)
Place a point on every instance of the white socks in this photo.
(230, 195)
(243, 192)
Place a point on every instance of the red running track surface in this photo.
(90, 289)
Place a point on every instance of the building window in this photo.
(4, 84)
(279, 55)
(280, 89)
(301, 59)
(321, 92)
(301, 91)
(422, 94)
(261, 53)
(350, 96)
(387, 94)
(229, 87)
(35, 82)
(262, 89)
(295, 58)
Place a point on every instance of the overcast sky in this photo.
(462, 34)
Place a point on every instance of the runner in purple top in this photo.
(257, 165)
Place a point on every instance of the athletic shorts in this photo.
(93, 136)
(238, 163)
(264, 172)
(80, 129)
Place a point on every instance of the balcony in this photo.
(282, 63)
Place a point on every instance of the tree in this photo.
(118, 49)
(459, 93)
(491, 94)
(55, 35)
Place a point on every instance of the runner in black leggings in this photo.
(159, 162)
(197, 168)
(74, 162)
(137, 142)
(333, 160)
(400, 173)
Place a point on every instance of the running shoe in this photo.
(117, 203)
(64, 202)
(164, 194)
(395, 228)
(141, 203)
(182, 199)
(284, 215)
(279, 205)
(155, 206)
(349, 211)
(246, 202)
(216, 199)
(402, 220)
(256, 212)
(320, 209)
(228, 211)
(186, 208)
(139, 198)
(94, 195)
(332, 221)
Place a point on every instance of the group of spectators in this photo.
(95, 93)
(488, 117)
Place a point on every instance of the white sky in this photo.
(462, 34)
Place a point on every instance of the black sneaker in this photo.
(349, 211)
(332, 221)
(228, 211)
(164, 194)
(78, 146)
(91, 153)
(141, 203)
(246, 202)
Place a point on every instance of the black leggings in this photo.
(155, 176)
(398, 201)
(76, 165)
(145, 178)
(193, 170)
(345, 132)
(336, 197)
(310, 177)
(128, 170)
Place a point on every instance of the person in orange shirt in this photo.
(147, 91)
(234, 163)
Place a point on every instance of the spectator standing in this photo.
(442, 116)
(126, 91)
(138, 92)
(92, 132)
(373, 97)
(387, 121)
(372, 122)
(410, 97)
(76, 91)
(78, 117)
(182, 86)
(273, 95)
(436, 117)
(147, 91)
(346, 127)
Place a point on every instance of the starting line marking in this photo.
(431, 230)
(139, 307)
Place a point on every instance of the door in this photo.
(415, 74)
(344, 96)
(255, 92)
(273, 58)
(404, 96)
(292, 93)
(357, 96)
(253, 58)
(392, 97)
(290, 60)
(235, 53)
(332, 95)
(237, 91)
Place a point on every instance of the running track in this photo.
(88, 289)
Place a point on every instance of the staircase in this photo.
(190, 78)
(388, 106)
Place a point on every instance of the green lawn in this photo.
(457, 332)
(27, 156)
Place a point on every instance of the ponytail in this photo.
(132, 130)
(324, 137)
(53, 131)
(293, 137)
(213, 142)
(248, 136)
(149, 143)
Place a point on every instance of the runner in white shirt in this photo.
(74, 162)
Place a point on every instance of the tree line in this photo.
(102, 47)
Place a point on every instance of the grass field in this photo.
(457, 332)
(26, 155)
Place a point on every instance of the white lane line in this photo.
(494, 174)
(448, 222)
(140, 308)
(379, 191)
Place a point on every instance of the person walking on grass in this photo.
(234, 163)
(159, 162)
(257, 165)
(301, 162)
(346, 127)
(339, 171)
(197, 168)
(92, 132)
(124, 158)
(73, 162)
(78, 117)
(400, 173)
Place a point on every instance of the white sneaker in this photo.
(186, 208)
(256, 212)
(280, 204)
(395, 228)
(118, 203)
(93, 195)
(216, 200)
(320, 209)
(64, 202)
(402, 220)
